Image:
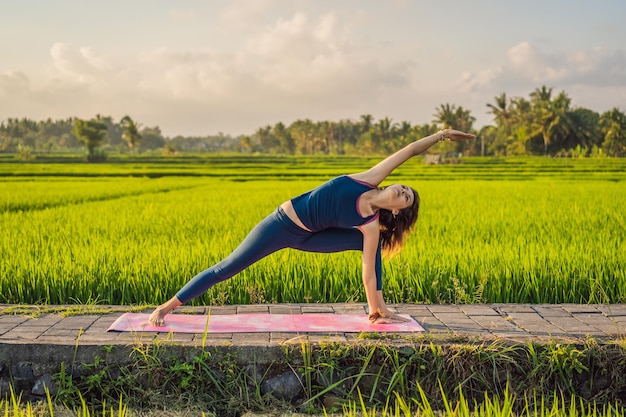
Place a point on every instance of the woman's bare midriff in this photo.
(291, 213)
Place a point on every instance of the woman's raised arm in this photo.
(381, 170)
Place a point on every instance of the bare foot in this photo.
(157, 318)
(380, 317)
(392, 319)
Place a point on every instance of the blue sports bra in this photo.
(333, 204)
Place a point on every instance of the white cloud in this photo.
(528, 66)
(302, 66)
(594, 78)
(13, 83)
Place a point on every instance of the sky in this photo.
(198, 68)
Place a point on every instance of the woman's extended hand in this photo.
(457, 135)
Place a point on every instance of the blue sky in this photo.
(203, 67)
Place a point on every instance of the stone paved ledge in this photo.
(475, 322)
(35, 340)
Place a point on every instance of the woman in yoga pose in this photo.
(349, 212)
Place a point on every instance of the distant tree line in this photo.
(543, 123)
(99, 135)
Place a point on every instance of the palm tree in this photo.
(130, 133)
(366, 122)
(613, 127)
(464, 120)
(280, 132)
(453, 117)
(541, 94)
(586, 132)
(265, 139)
(303, 132)
(445, 116)
(402, 132)
(501, 111)
(551, 117)
(384, 128)
(91, 133)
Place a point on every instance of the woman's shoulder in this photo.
(360, 178)
(364, 178)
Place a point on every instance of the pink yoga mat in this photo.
(262, 323)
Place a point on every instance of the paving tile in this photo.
(102, 322)
(215, 336)
(580, 308)
(317, 338)
(421, 318)
(443, 308)
(222, 310)
(416, 310)
(458, 322)
(522, 337)
(615, 330)
(316, 308)
(45, 320)
(479, 310)
(349, 309)
(200, 310)
(281, 336)
(29, 329)
(546, 311)
(495, 323)
(19, 334)
(56, 340)
(515, 308)
(12, 319)
(61, 333)
(573, 326)
(612, 309)
(534, 323)
(596, 320)
(177, 337)
(253, 308)
(75, 322)
(432, 324)
(6, 327)
(30, 326)
(292, 338)
(280, 309)
(457, 316)
(101, 338)
(251, 338)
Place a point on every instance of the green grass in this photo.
(133, 231)
(381, 379)
(490, 406)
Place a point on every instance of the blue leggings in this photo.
(277, 231)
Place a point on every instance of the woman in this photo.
(346, 213)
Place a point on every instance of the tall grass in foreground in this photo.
(12, 406)
(491, 406)
(539, 241)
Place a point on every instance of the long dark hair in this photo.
(395, 229)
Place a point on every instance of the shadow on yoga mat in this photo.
(262, 323)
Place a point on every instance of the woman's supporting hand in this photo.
(457, 135)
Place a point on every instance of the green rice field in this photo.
(133, 231)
